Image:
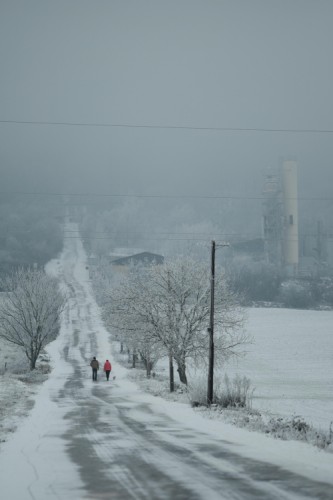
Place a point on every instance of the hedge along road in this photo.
(91, 440)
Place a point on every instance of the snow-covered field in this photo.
(290, 363)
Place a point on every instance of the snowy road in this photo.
(108, 440)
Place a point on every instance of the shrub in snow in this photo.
(19, 365)
(297, 428)
(285, 428)
(236, 393)
(197, 391)
(33, 377)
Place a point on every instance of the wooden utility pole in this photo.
(171, 377)
(171, 374)
(210, 388)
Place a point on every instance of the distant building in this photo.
(120, 252)
(123, 264)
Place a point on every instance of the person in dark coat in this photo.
(95, 367)
(107, 369)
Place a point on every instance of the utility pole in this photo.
(171, 376)
(210, 387)
(211, 329)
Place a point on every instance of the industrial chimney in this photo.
(290, 212)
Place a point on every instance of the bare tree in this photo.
(125, 309)
(30, 311)
(170, 305)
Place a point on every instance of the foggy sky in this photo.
(182, 63)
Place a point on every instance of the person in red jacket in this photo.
(107, 368)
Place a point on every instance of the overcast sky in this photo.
(235, 64)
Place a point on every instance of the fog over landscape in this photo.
(152, 98)
(166, 196)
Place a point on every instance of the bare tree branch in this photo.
(168, 307)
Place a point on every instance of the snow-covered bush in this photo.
(293, 428)
(18, 365)
(298, 429)
(12, 359)
(228, 393)
(197, 391)
(36, 376)
(235, 393)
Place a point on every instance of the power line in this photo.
(207, 240)
(162, 196)
(163, 236)
(168, 127)
(141, 233)
(124, 238)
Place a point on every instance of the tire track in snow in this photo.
(190, 473)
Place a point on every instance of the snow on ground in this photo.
(17, 388)
(294, 363)
(297, 457)
(15, 402)
(290, 363)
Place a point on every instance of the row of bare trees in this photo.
(164, 310)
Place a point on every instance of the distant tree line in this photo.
(30, 233)
(261, 282)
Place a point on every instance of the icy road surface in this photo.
(108, 440)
